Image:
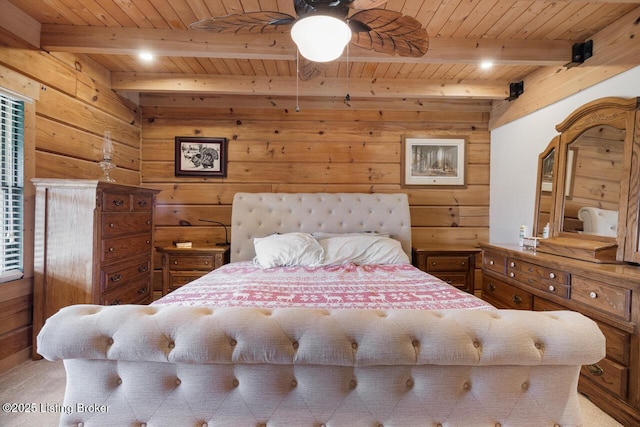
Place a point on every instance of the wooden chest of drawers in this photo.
(93, 245)
(183, 265)
(516, 278)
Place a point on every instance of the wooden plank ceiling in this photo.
(519, 36)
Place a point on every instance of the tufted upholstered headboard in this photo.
(262, 214)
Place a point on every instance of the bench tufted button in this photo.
(439, 425)
(235, 383)
(498, 425)
(353, 384)
(172, 344)
(178, 381)
(538, 345)
(476, 344)
(143, 424)
(415, 343)
(525, 386)
(466, 386)
(354, 345)
(80, 424)
(262, 424)
(295, 345)
(119, 381)
(233, 342)
(204, 425)
(409, 383)
(110, 341)
(294, 383)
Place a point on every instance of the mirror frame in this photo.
(553, 146)
(618, 113)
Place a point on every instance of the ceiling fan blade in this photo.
(246, 23)
(308, 70)
(365, 4)
(389, 32)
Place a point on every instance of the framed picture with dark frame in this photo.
(430, 161)
(201, 156)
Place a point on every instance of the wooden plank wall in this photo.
(74, 107)
(325, 147)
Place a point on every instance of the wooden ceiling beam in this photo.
(278, 46)
(321, 87)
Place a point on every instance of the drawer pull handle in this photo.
(595, 370)
(449, 281)
(552, 288)
(512, 274)
(142, 203)
(491, 287)
(111, 225)
(517, 299)
(111, 249)
(175, 262)
(148, 242)
(491, 262)
(206, 263)
(512, 264)
(142, 291)
(148, 222)
(116, 302)
(116, 277)
(118, 202)
(552, 275)
(433, 263)
(142, 268)
(593, 295)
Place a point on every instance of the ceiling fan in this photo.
(370, 28)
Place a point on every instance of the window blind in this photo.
(11, 187)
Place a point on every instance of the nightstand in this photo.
(452, 263)
(183, 265)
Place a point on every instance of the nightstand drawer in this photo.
(602, 296)
(447, 263)
(459, 280)
(192, 262)
(178, 279)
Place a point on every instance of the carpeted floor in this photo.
(42, 382)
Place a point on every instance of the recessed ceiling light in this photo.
(485, 65)
(146, 56)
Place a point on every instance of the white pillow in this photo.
(362, 249)
(324, 235)
(288, 249)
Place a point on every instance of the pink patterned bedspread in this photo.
(394, 286)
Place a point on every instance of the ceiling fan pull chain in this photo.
(347, 97)
(297, 80)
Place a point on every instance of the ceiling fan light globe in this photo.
(321, 38)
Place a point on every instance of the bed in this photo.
(292, 346)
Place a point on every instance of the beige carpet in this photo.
(42, 383)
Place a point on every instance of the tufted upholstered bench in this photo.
(197, 366)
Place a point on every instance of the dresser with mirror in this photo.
(588, 189)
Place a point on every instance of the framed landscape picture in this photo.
(200, 156)
(433, 161)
